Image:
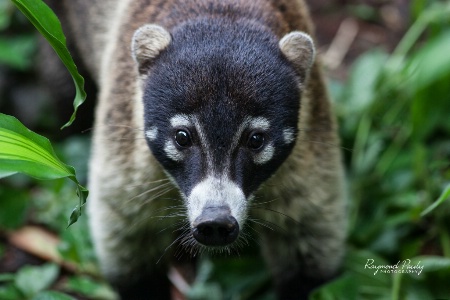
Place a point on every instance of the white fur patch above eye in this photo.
(172, 152)
(265, 155)
(288, 135)
(259, 123)
(152, 133)
(180, 120)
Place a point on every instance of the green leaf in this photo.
(438, 12)
(6, 277)
(16, 51)
(31, 280)
(52, 295)
(431, 263)
(89, 288)
(24, 151)
(342, 288)
(361, 87)
(444, 196)
(431, 62)
(13, 207)
(5, 14)
(10, 292)
(46, 22)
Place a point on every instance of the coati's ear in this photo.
(298, 47)
(148, 42)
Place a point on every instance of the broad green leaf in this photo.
(46, 22)
(431, 62)
(88, 287)
(431, 263)
(23, 151)
(343, 287)
(425, 277)
(31, 280)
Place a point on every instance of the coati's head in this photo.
(221, 105)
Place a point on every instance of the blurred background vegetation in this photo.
(388, 65)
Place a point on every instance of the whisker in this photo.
(164, 185)
(148, 183)
(183, 236)
(87, 129)
(180, 207)
(256, 231)
(251, 237)
(278, 212)
(154, 196)
(260, 223)
(242, 240)
(173, 215)
(170, 226)
(256, 204)
(268, 224)
(155, 193)
(167, 248)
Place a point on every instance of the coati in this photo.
(207, 108)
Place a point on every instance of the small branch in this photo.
(341, 43)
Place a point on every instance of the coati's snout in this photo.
(215, 227)
(216, 209)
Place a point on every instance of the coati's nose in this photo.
(215, 227)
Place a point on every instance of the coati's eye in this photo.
(183, 138)
(256, 141)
